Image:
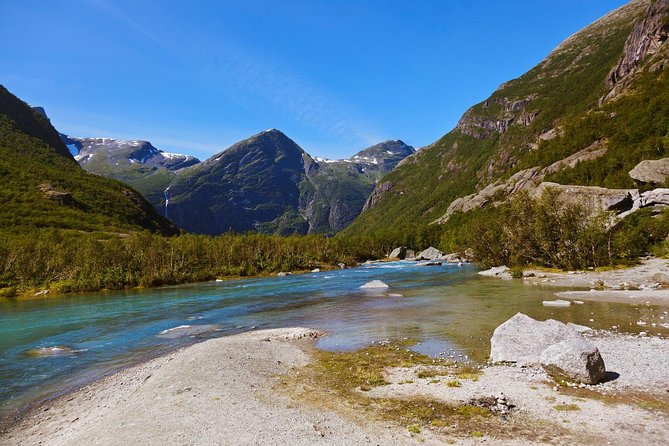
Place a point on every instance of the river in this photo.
(449, 309)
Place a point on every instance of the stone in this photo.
(651, 171)
(316, 270)
(556, 303)
(398, 253)
(502, 272)
(410, 255)
(374, 284)
(430, 253)
(521, 339)
(661, 278)
(574, 359)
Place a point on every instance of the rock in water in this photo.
(398, 253)
(502, 272)
(574, 359)
(556, 303)
(522, 339)
(430, 254)
(374, 284)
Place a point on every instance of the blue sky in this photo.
(335, 76)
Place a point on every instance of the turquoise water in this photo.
(447, 308)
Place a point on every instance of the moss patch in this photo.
(335, 380)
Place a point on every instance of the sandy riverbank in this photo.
(644, 275)
(221, 392)
(215, 392)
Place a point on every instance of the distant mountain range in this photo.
(266, 183)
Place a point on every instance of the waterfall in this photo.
(167, 199)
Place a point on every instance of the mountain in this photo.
(269, 184)
(586, 115)
(337, 189)
(265, 183)
(136, 163)
(44, 187)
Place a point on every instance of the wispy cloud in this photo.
(288, 92)
(248, 73)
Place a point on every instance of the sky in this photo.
(335, 76)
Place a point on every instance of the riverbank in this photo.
(237, 390)
(215, 392)
(647, 282)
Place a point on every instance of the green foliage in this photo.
(69, 261)
(551, 233)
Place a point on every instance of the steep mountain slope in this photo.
(136, 163)
(601, 94)
(337, 189)
(44, 187)
(269, 184)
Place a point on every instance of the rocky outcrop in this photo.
(501, 272)
(595, 199)
(398, 253)
(374, 285)
(647, 38)
(575, 360)
(560, 349)
(651, 171)
(376, 195)
(526, 180)
(497, 114)
(521, 339)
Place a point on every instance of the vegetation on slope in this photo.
(43, 187)
(561, 89)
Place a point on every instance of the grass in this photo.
(566, 407)
(345, 381)
(453, 383)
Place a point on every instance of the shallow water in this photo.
(448, 309)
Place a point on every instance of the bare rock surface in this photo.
(574, 359)
(522, 340)
(502, 272)
(651, 171)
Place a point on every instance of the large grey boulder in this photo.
(521, 339)
(575, 360)
(651, 171)
(430, 253)
(398, 253)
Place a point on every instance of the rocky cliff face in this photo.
(646, 40)
(586, 115)
(340, 188)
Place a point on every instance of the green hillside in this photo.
(44, 187)
(555, 110)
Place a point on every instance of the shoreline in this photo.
(202, 394)
(230, 388)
